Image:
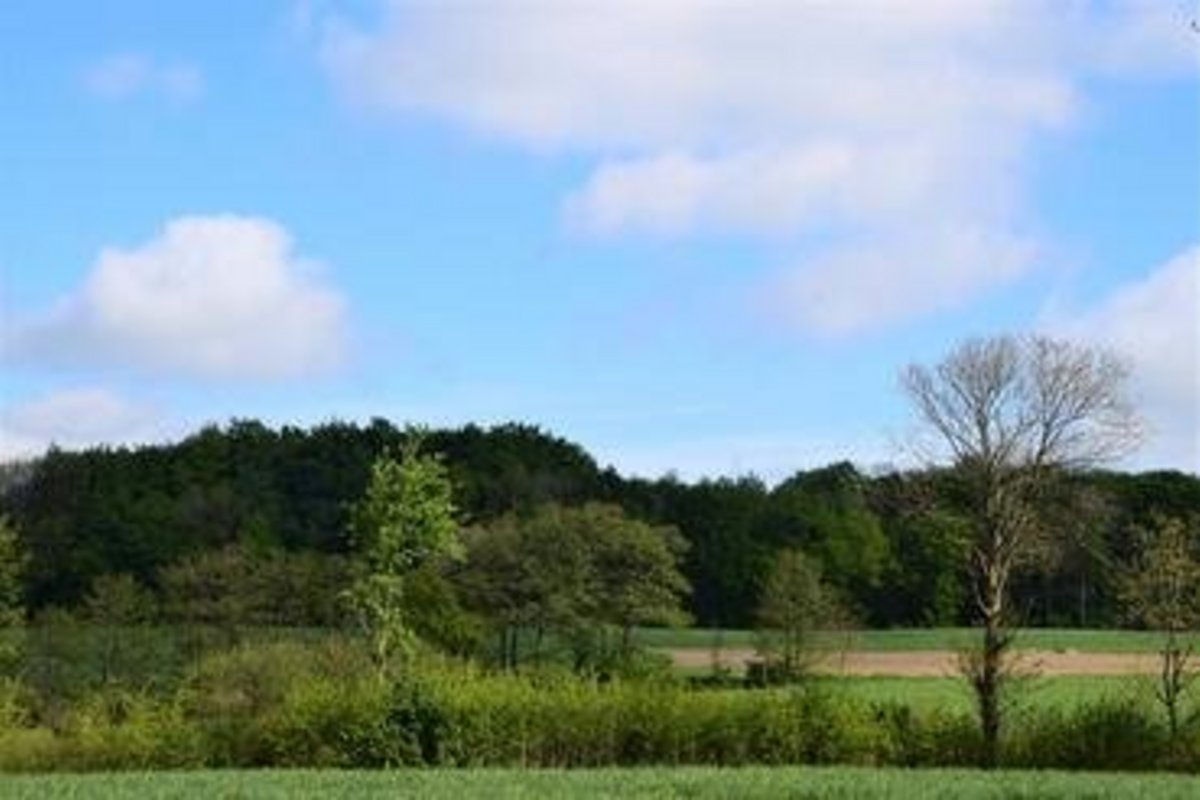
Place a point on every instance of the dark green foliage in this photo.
(890, 543)
(13, 563)
(236, 587)
(828, 515)
(573, 573)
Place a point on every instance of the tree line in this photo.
(179, 518)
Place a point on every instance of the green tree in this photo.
(215, 592)
(1162, 592)
(114, 605)
(574, 572)
(637, 569)
(531, 574)
(796, 612)
(13, 562)
(406, 519)
(826, 512)
(119, 600)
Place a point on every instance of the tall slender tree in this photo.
(1162, 592)
(406, 519)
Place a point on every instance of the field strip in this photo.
(938, 663)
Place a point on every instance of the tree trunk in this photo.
(987, 669)
(514, 644)
(987, 689)
(1083, 594)
(1172, 681)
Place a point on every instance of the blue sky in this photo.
(688, 236)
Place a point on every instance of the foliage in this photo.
(237, 587)
(290, 705)
(119, 600)
(279, 493)
(570, 572)
(405, 520)
(832, 519)
(1162, 592)
(13, 562)
(796, 615)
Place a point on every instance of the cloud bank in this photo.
(1154, 323)
(209, 297)
(895, 135)
(75, 418)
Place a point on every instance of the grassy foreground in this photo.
(795, 782)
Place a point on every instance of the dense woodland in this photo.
(176, 516)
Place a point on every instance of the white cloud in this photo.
(860, 121)
(75, 418)
(128, 74)
(882, 281)
(220, 296)
(1155, 324)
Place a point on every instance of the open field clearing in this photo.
(916, 639)
(935, 663)
(951, 694)
(784, 782)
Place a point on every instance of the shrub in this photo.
(325, 722)
(323, 705)
(1108, 734)
(228, 694)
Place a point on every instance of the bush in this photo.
(322, 705)
(230, 694)
(116, 729)
(326, 722)
(910, 739)
(1109, 734)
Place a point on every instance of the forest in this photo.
(265, 513)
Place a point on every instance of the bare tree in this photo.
(1008, 414)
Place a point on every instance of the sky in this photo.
(699, 237)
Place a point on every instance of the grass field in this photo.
(953, 694)
(913, 639)
(784, 782)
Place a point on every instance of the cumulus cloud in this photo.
(220, 296)
(881, 281)
(863, 121)
(1155, 324)
(128, 74)
(75, 418)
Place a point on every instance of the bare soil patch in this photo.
(941, 663)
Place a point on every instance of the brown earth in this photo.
(939, 663)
